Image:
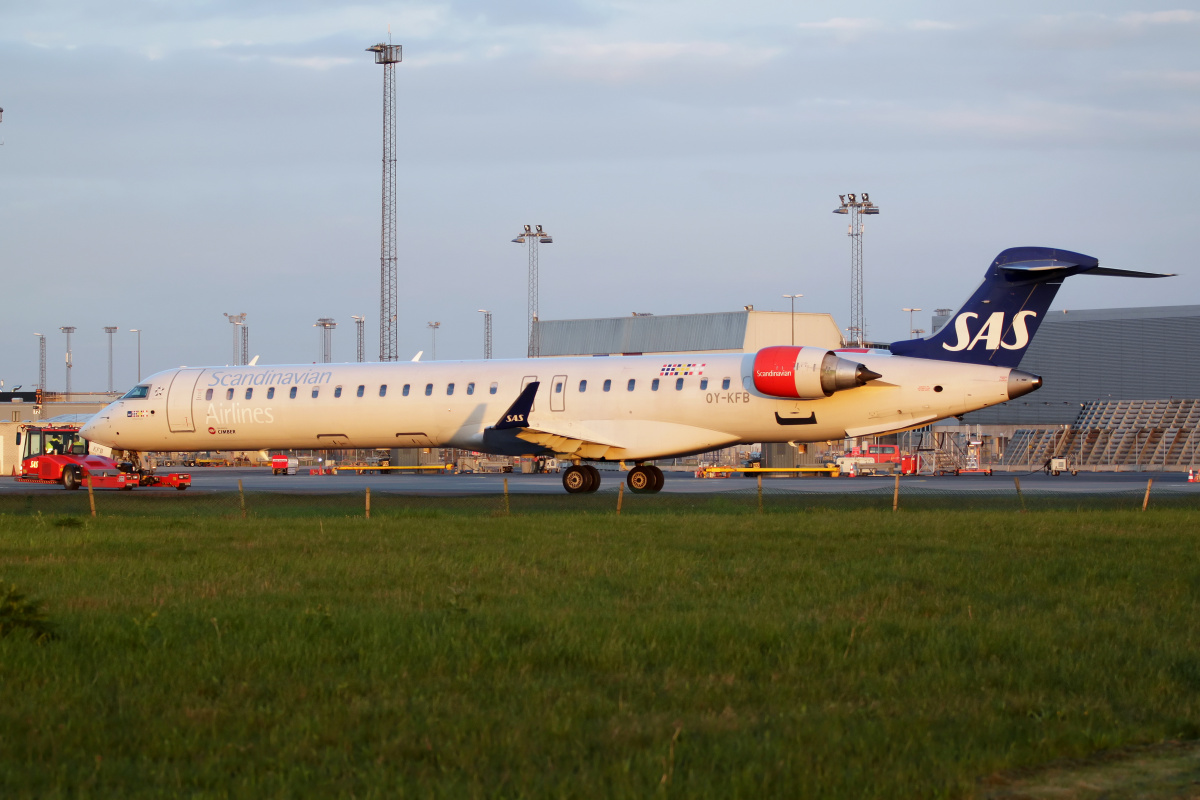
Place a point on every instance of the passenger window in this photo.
(249, 393)
(361, 389)
(336, 392)
(271, 393)
(654, 385)
(292, 394)
(583, 386)
(449, 389)
(229, 394)
(471, 388)
(607, 384)
(383, 390)
(703, 384)
(678, 384)
(404, 391)
(558, 388)
(632, 382)
(493, 387)
(725, 383)
(316, 390)
(208, 395)
(428, 389)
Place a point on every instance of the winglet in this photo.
(517, 415)
(417, 357)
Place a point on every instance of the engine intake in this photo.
(806, 373)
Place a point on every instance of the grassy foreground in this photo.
(830, 654)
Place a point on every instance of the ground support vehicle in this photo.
(1057, 466)
(58, 454)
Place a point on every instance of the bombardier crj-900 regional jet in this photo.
(631, 408)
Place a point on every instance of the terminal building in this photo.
(1121, 386)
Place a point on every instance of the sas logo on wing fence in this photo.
(991, 333)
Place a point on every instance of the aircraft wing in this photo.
(571, 440)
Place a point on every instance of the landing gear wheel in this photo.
(576, 479)
(70, 478)
(594, 474)
(643, 480)
(659, 480)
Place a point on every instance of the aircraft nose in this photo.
(94, 429)
(1020, 383)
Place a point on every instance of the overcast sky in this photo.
(164, 162)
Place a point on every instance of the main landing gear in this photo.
(645, 479)
(581, 478)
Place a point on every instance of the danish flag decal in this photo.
(997, 324)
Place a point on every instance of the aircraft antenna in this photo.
(388, 55)
(856, 206)
(110, 330)
(532, 236)
(326, 325)
(68, 330)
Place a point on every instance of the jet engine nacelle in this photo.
(806, 373)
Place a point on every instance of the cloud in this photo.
(1177, 17)
(932, 25)
(636, 60)
(842, 24)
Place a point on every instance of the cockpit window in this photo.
(137, 392)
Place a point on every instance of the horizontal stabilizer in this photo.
(1129, 273)
(517, 415)
(1041, 267)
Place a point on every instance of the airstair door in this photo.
(558, 393)
(179, 401)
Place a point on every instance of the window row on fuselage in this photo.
(406, 389)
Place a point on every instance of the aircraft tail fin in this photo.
(998, 322)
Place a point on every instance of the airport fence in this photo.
(612, 501)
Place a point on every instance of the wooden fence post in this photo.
(1146, 499)
(507, 509)
(760, 507)
(1020, 496)
(896, 495)
(620, 496)
(91, 496)
(368, 502)
(242, 497)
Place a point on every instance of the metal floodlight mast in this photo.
(487, 332)
(388, 55)
(68, 330)
(359, 323)
(856, 206)
(41, 362)
(532, 236)
(245, 343)
(110, 330)
(138, 331)
(911, 330)
(793, 297)
(433, 326)
(235, 320)
(326, 325)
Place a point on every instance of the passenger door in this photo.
(558, 393)
(179, 401)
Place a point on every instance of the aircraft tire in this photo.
(641, 480)
(659, 480)
(577, 479)
(70, 478)
(594, 475)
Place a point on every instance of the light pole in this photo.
(487, 332)
(793, 297)
(110, 330)
(433, 326)
(41, 362)
(236, 320)
(911, 330)
(326, 325)
(533, 235)
(362, 343)
(138, 331)
(68, 330)
(855, 207)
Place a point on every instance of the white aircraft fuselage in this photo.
(631, 408)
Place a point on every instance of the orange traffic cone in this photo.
(1191, 476)
(853, 470)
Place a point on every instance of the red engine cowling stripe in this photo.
(775, 371)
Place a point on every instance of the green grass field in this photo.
(822, 654)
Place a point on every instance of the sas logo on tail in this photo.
(991, 332)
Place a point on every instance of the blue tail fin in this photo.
(997, 324)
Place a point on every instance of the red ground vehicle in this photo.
(58, 454)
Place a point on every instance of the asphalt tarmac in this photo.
(225, 479)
